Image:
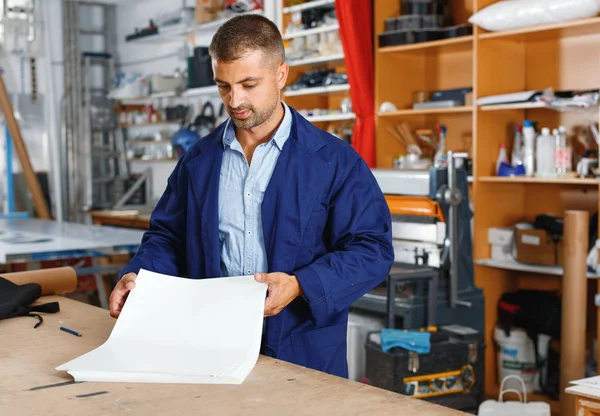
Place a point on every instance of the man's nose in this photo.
(236, 97)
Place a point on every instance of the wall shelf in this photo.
(196, 92)
(308, 32)
(318, 90)
(317, 60)
(308, 5)
(461, 42)
(528, 268)
(513, 106)
(419, 112)
(133, 141)
(137, 160)
(331, 117)
(581, 27)
(549, 181)
(158, 123)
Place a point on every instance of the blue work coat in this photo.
(325, 220)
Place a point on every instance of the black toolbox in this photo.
(451, 374)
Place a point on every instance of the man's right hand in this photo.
(120, 293)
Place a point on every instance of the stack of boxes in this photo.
(422, 21)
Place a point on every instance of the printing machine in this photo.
(431, 228)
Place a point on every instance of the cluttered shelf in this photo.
(208, 90)
(317, 60)
(528, 268)
(458, 43)
(315, 31)
(581, 27)
(308, 5)
(317, 90)
(424, 111)
(550, 181)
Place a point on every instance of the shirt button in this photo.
(249, 232)
(248, 194)
(249, 272)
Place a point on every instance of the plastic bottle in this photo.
(502, 157)
(529, 147)
(562, 152)
(439, 160)
(545, 154)
(517, 150)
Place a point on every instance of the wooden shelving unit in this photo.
(564, 56)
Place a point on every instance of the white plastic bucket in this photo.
(516, 357)
(359, 325)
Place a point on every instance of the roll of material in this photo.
(574, 297)
(54, 281)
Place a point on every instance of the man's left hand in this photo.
(282, 289)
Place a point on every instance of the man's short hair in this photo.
(245, 33)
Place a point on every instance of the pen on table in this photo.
(70, 331)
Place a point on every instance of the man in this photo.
(270, 195)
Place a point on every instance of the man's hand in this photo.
(282, 289)
(120, 293)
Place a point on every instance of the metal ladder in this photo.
(93, 145)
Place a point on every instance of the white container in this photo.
(502, 253)
(516, 356)
(359, 326)
(520, 408)
(544, 154)
(501, 236)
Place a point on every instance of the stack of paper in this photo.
(176, 330)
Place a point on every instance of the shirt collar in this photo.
(279, 137)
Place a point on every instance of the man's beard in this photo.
(255, 118)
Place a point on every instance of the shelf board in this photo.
(150, 97)
(550, 181)
(528, 268)
(315, 31)
(317, 60)
(512, 106)
(194, 92)
(133, 141)
(158, 123)
(150, 160)
(179, 32)
(581, 27)
(331, 117)
(461, 42)
(318, 90)
(418, 112)
(308, 5)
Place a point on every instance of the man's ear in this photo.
(282, 74)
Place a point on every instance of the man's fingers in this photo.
(267, 277)
(120, 293)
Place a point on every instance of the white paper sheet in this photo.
(593, 382)
(176, 330)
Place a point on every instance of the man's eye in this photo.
(223, 87)
(250, 86)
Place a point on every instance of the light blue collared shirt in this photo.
(241, 191)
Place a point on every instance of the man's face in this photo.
(250, 87)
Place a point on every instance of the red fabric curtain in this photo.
(356, 32)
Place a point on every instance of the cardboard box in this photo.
(208, 10)
(535, 246)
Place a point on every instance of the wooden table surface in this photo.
(29, 383)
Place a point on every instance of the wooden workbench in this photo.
(129, 219)
(30, 384)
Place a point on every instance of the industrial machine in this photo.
(431, 227)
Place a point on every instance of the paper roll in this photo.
(574, 299)
(53, 281)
